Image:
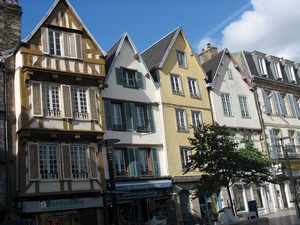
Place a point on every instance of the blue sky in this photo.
(263, 25)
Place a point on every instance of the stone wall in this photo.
(10, 24)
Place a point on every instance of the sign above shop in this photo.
(61, 204)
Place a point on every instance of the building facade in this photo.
(58, 74)
(234, 105)
(277, 89)
(185, 102)
(133, 115)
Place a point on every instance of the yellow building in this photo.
(185, 102)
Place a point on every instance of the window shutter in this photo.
(298, 135)
(274, 142)
(279, 103)
(151, 118)
(155, 162)
(128, 115)
(108, 116)
(268, 106)
(139, 78)
(45, 39)
(66, 162)
(67, 101)
(33, 162)
(136, 157)
(132, 162)
(37, 99)
(93, 104)
(71, 45)
(119, 76)
(293, 105)
(79, 46)
(93, 163)
(134, 119)
(66, 44)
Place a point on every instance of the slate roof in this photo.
(211, 66)
(154, 56)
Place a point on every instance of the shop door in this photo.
(88, 217)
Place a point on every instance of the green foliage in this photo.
(217, 156)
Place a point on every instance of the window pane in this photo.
(144, 162)
(119, 162)
(79, 103)
(244, 106)
(176, 84)
(129, 78)
(181, 120)
(193, 87)
(116, 115)
(48, 162)
(227, 108)
(181, 58)
(184, 154)
(51, 101)
(79, 163)
(140, 118)
(196, 117)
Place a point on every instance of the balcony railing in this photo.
(276, 151)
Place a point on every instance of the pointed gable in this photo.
(211, 66)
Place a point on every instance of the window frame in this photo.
(80, 161)
(291, 73)
(193, 87)
(185, 153)
(176, 84)
(196, 118)
(244, 106)
(227, 104)
(44, 155)
(51, 108)
(181, 119)
(262, 66)
(277, 70)
(120, 162)
(80, 103)
(181, 59)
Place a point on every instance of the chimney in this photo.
(10, 24)
(207, 54)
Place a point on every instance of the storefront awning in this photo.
(140, 185)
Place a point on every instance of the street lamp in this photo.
(112, 181)
(290, 173)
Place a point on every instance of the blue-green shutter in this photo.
(132, 162)
(119, 76)
(151, 119)
(155, 162)
(136, 155)
(139, 78)
(108, 116)
(128, 116)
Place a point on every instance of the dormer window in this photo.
(291, 73)
(262, 66)
(181, 57)
(277, 70)
(60, 43)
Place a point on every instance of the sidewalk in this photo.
(283, 217)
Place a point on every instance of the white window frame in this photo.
(80, 102)
(119, 162)
(230, 73)
(49, 162)
(116, 110)
(140, 117)
(51, 100)
(176, 84)
(277, 70)
(262, 66)
(194, 88)
(181, 58)
(227, 104)
(185, 153)
(196, 118)
(244, 106)
(55, 40)
(129, 78)
(291, 73)
(79, 162)
(181, 119)
(144, 164)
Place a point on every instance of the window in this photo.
(48, 162)
(79, 102)
(63, 101)
(275, 149)
(144, 162)
(185, 153)
(196, 118)
(51, 100)
(181, 120)
(119, 162)
(129, 78)
(229, 72)
(181, 58)
(278, 103)
(61, 43)
(54, 43)
(293, 106)
(117, 121)
(262, 66)
(79, 163)
(244, 106)
(176, 84)
(227, 106)
(291, 73)
(140, 117)
(129, 116)
(193, 87)
(277, 70)
(267, 103)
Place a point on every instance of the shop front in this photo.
(75, 211)
(144, 202)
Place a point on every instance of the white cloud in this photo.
(271, 26)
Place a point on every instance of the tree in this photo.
(222, 164)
